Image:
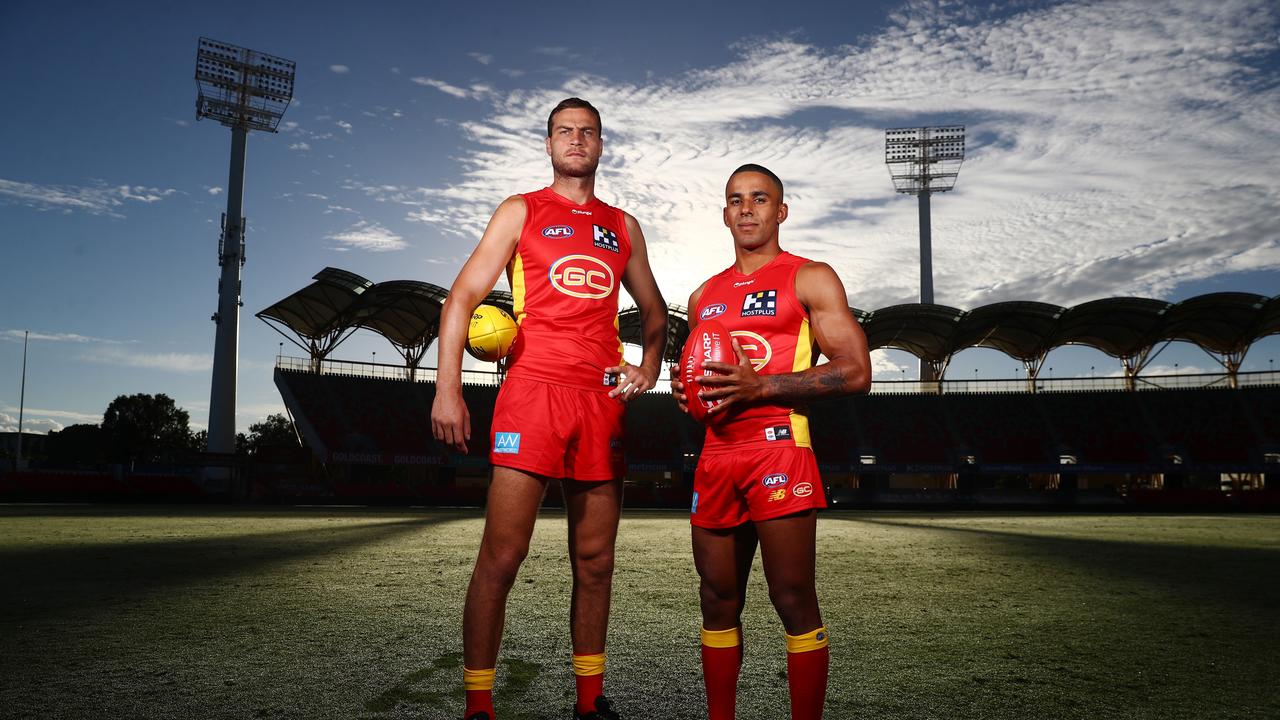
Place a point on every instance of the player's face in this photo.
(575, 144)
(752, 209)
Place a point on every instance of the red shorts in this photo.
(557, 431)
(730, 488)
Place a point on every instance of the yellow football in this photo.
(491, 333)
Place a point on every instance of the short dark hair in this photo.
(572, 103)
(752, 167)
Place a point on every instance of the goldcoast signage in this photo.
(582, 276)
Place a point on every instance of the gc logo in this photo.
(582, 276)
(756, 347)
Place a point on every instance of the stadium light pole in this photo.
(22, 399)
(923, 161)
(243, 90)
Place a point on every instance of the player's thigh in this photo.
(512, 509)
(723, 559)
(593, 510)
(787, 549)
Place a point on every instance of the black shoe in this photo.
(604, 711)
(482, 715)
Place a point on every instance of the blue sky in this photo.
(1120, 148)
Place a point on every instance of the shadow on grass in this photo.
(437, 686)
(81, 577)
(1245, 577)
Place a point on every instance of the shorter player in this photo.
(757, 481)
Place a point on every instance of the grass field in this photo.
(110, 612)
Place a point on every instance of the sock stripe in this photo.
(478, 679)
(722, 638)
(808, 642)
(587, 665)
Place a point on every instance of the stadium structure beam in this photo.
(243, 90)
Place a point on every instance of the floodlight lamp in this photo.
(239, 87)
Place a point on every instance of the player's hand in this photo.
(632, 380)
(450, 420)
(731, 384)
(677, 390)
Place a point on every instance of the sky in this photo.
(1113, 149)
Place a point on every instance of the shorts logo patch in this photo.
(804, 489)
(507, 443)
(760, 303)
(711, 311)
(778, 432)
(610, 379)
(775, 480)
(694, 508)
(557, 231)
(606, 239)
(779, 494)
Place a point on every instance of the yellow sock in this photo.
(722, 638)
(477, 679)
(813, 640)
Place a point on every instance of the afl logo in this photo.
(711, 311)
(582, 276)
(755, 346)
(557, 231)
(776, 480)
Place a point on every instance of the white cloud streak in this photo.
(339, 69)
(97, 199)
(171, 362)
(368, 236)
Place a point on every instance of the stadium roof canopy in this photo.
(317, 314)
(1225, 325)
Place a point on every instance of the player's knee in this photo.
(796, 604)
(501, 564)
(594, 566)
(719, 603)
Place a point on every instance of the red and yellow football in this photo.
(708, 342)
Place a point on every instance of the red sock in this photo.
(808, 662)
(588, 675)
(479, 685)
(721, 662)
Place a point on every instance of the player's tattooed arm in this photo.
(848, 370)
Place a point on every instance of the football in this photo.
(491, 333)
(709, 341)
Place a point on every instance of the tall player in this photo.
(757, 480)
(559, 413)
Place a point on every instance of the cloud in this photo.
(97, 199)
(214, 190)
(445, 87)
(171, 362)
(344, 125)
(340, 69)
(37, 336)
(369, 236)
(35, 425)
(1111, 150)
(51, 417)
(884, 368)
(300, 146)
(482, 58)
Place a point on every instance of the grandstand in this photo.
(1027, 441)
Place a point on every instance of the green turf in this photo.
(110, 612)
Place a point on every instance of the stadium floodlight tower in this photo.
(244, 90)
(923, 161)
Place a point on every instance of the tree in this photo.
(80, 444)
(145, 428)
(277, 430)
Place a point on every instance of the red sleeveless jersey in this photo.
(564, 277)
(761, 311)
